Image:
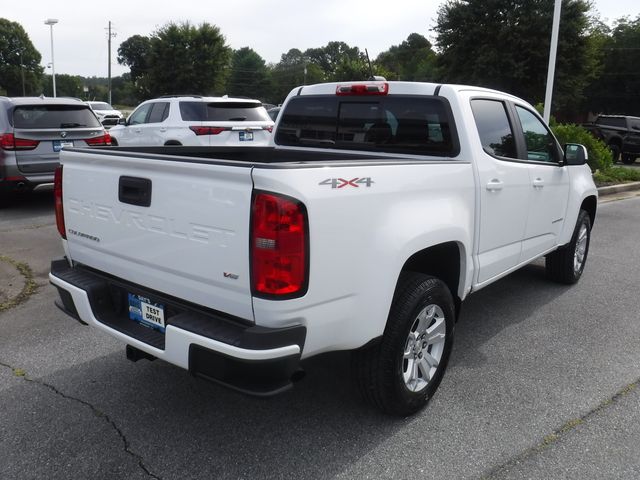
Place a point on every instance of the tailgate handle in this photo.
(135, 191)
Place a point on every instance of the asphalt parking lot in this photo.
(543, 383)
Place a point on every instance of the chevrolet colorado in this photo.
(378, 208)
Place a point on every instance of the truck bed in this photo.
(251, 155)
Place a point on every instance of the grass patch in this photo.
(615, 175)
(29, 288)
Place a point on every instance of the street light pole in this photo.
(551, 71)
(51, 22)
(24, 94)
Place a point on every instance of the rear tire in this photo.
(615, 151)
(628, 159)
(566, 264)
(402, 371)
(114, 142)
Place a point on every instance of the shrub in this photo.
(600, 158)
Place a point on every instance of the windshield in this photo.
(402, 124)
(100, 106)
(223, 112)
(54, 116)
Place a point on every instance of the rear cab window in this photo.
(223, 112)
(54, 117)
(417, 125)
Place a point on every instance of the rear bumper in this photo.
(16, 181)
(246, 357)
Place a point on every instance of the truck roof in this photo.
(395, 87)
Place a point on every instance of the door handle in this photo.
(163, 129)
(494, 185)
(134, 191)
(538, 183)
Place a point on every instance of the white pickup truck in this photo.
(378, 209)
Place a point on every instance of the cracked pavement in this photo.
(543, 383)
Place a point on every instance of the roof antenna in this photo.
(372, 77)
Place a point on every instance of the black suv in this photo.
(621, 133)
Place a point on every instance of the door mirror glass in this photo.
(575, 154)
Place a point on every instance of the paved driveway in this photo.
(542, 384)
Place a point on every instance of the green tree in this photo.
(504, 44)
(413, 60)
(135, 52)
(617, 88)
(249, 76)
(293, 69)
(66, 85)
(339, 61)
(188, 59)
(177, 58)
(18, 59)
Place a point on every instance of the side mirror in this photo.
(122, 121)
(575, 154)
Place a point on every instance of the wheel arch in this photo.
(617, 141)
(590, 204)
(445, 261)
(172, 142)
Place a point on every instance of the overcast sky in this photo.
(271, 28)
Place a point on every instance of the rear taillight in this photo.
(57, 197)
(101, 140)
(208, 130)
(9, 142)
(279, 246)
(363, 89)
(268, 129)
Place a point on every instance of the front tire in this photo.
(401, 373)
(566, 264)
(628, 159)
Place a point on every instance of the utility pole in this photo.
(109, 37)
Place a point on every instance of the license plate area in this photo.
(146, 312)
(245, 136)
(60, 144)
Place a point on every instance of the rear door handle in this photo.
(538, 183)
(494, 185)
(163, 129)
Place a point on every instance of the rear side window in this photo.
(159, 112)
(612, 122)
(54, 116)
(494, 128)
(402, 124)
(223, 112)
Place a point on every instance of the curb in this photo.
(624, 187)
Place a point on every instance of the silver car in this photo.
(33, 130)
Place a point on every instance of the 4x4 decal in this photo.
(341, 182)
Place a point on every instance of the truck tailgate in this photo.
(180, 228)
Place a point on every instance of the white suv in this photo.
(107, 115)
(195, 121)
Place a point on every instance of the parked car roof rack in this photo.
(180, 95)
